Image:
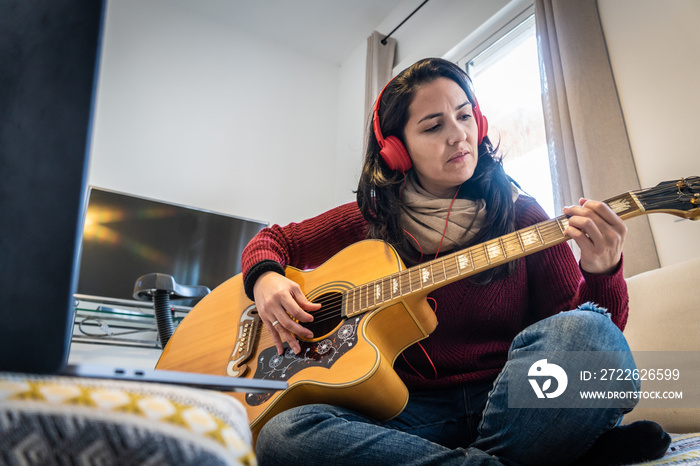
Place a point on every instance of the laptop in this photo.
(50, 56)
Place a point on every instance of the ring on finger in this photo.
(275, 323)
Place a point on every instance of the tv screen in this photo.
(125, 237)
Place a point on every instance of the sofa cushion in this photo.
(664, 318)
(68, 420)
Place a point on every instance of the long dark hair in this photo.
(379, 189)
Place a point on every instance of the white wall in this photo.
(351, 119)
(654, 48)
(192, 112)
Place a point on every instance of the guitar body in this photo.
(349, 364)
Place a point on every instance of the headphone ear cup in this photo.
(483, 128)
(395, 154)
(482, 123)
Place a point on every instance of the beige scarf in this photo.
(424, 216)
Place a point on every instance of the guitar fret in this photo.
(512, 245)
(486, 253)
(558, 219)
(359, 298)
(503, 247)
(356, 300)
(495, 251)
(405, 283)
(520, 240)
(386, 289)
(414, 280)
(531, 238)
(539, 233)
(366, 296)
(453, 269)
(478, 261)
(463, 261)
(565, 222)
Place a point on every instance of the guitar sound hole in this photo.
(328, 317)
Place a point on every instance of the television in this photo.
(127, 236)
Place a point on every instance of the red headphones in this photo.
(394, 152)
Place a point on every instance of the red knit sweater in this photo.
(476, 323)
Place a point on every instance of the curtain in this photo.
(589, 149)
(380, 63)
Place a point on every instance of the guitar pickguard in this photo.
(324, 353)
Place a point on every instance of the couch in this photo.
(662, 319)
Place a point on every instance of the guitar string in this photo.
(333, 304)
(479, 254)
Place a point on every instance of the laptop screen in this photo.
(49, 55)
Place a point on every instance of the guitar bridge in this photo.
(248, 331)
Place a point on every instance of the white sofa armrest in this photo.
(664, 317)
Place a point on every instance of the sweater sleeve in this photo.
(304, 245)
(557, 283)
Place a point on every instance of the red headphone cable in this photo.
(447, 220)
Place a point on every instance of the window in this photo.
(507, 82)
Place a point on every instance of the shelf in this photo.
(106, 321)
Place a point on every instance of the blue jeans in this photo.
(462, 425)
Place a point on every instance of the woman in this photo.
(432, 183)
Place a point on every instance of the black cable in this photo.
(383, 41)
(164, 317)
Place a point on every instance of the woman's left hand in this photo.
(600, 234)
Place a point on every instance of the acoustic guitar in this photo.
(369, 315)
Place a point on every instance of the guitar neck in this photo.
(428, 276)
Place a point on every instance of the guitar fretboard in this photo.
(426, 277)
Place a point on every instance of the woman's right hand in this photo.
(281, 306)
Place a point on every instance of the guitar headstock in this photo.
(678, 197)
